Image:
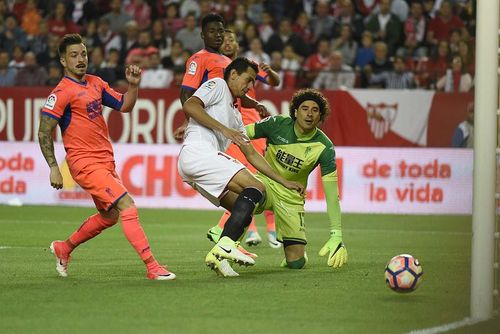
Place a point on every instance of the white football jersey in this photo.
(219, 104)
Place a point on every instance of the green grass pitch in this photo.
(107, 290)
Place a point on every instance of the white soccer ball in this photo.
(403, 273)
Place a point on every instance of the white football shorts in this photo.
(206, 170)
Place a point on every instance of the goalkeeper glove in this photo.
(337, 252)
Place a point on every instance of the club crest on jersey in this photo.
(192, 68)
(51, 101)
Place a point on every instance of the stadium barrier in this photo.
(371, 180)
(379, 118)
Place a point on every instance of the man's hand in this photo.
(56, 179)
(262, 110)
(337, 252)
(235, 136)
(292, 185)
(133, 74)
(265, 67)
(180, 131)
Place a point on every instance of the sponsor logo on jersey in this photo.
(282, 139)
(51, 101)
(94, 109)
(211, 84)
(192, 68)
(289, 161)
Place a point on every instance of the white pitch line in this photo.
(5, 247)
(446, 327)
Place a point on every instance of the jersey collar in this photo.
(83, 83)
(301, 137)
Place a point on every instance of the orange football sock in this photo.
(224, 218)
(269, 216)
(136, 236)
(90, 228)
(252, 227)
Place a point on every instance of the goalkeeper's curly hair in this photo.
(309, 94)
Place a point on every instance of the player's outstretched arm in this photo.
(334, 247)
(248, 102)
(262, 166)
(47, 126)
(133, 76)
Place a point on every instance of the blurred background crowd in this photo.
(337, 44)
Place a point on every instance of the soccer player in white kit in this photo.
(215, 122)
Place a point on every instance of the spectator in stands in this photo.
(51, 54)
(317, 62)
(456, 78)
(59, 24)
(256, 53)
(30, 21)
(126, 41)
(399, 8)
(12, 35)
(189, 7)
(4, 10)
(385, 26)
(291, 61)
(467, 55)
(414, 32)
(347, 15)
(365, 7)
(346, 45)
(54, 74)
(155, 76)
(338, 75)
(83, 11)
(302, 28)
(365, 54)
(265, 28)
(176, 58)
(7, 74)
(463, 136)
(398, 78)
(112, 62)
(17, 60)
(178, 76)
(437, 65)
(116, 17)
(172, 22)
(240, 19)
(39, 43)
(380, 63)
(190, 36)
(455, 38)
(104, 35)
(140, 12)
(31, 74)
(95, 67)
(442, 25)
(160, 39)
(284, 36)
(244, 40)
(322, 22)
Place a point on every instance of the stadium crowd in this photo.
(396, 44)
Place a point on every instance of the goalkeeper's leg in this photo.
(295, 256)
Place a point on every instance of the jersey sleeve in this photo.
(193, 76)
(110, 97)
(327, 160)
(262, 77)
(211, 92)
(264, 127)
(56, 103)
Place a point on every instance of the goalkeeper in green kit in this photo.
(295, 146)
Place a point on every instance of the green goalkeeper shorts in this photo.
(289, 217)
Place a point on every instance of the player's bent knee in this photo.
(125, 202)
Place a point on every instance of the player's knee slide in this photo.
(297, 264)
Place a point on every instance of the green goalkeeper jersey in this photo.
(294, 156)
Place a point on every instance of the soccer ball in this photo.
(403, 273)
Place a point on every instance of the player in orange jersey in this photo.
(76, 105)
(230, 48)
(208, 63)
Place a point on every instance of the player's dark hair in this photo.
(212, 17)
(67, 40)
(240, 64)
(309, 94)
